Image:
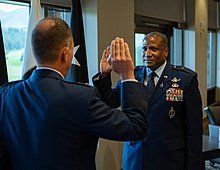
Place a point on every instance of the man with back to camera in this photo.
(174, 114)
(49, 123)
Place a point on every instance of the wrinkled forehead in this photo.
(152, 41)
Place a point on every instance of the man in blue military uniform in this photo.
(174, 140)
(49, 123)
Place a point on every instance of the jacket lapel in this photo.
(163, 83)
(140, 75)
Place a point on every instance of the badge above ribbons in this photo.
(175, 93)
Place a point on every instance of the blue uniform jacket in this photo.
(49, 123)
(174, 139)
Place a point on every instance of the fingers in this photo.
(105, 64)
(121, 61)
(105, 53)
(127, 51)
(115, 53)
(108, 50)
(122, 49)
(108, 54)
(117, 49)
(112, 50)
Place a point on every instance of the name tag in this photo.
(174, 94)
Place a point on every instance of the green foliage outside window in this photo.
(14, 39)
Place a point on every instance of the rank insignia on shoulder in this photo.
(174, 94)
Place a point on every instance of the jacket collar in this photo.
(46, 73)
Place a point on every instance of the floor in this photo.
(209, 167)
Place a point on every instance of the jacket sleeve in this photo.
(5, 161)
(111, 96)
(127, 124)
(193, 111)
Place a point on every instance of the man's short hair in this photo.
(163, 37)
(47, 41)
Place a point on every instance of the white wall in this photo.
(201, 43)
(103, 21)
(171, 10)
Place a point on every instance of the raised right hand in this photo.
(105, 64)
(121, 60)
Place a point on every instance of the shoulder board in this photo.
(83, 84)
(184, 69)
(79, 83)
(138, 67)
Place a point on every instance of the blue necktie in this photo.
(151, 84)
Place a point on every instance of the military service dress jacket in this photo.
(49, 123)
(174, 117)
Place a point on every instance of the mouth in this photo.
(148, 61)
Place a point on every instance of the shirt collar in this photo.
(158, 71)
(48, 68)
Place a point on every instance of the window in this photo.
(211, 59)
(176, 44)
(14, 22)
(138, 48)
(61, 13)
(145, 25)
(14, 18)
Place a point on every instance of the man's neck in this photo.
(50, 68)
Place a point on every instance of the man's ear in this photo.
(166, 51)
(64, 53)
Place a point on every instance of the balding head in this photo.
(49, 36)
